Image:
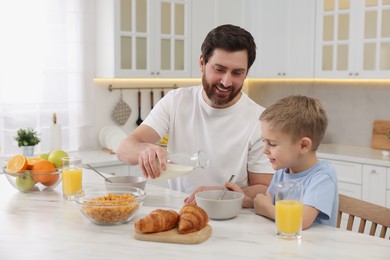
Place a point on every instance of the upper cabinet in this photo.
(285, 38)
(353, 39)
(208, 14)
(143, 38)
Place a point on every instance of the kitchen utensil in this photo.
(139, 120)
(162, 93)
(151, 99)
(173, 236)
(225, 189)
(121, 112)
(226, 208)
(93, 169)
(379, 135)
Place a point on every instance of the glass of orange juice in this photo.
(288, 209)
(71, 176)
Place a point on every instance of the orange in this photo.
(17, 164)
(31, 161)
(44, 172)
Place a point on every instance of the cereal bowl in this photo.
(30, 181)
(110, 207)
(131, 181)
(227, 207)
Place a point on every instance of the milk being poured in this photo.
(181, 164)
(174, 171)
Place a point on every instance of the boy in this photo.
(292, 130)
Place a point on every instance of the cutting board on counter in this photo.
(173, 236)
(379, 135)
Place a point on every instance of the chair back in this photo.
(368, 213)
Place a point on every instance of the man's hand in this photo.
(151, 160)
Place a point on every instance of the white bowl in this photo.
(228, 207)
(129, 181)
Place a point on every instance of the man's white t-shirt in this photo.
(231, 137)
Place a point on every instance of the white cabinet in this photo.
(364, 181)
(208, 14)
(349, 177)
(285, 38)
(388, 189)
(353, 39)
(374, 184)
(143, 38)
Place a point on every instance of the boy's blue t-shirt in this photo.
(320, 189)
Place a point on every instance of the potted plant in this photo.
(27, 139)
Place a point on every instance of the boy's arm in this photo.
(309, 215)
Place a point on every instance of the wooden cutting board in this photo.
(173, 236)
(379, 135)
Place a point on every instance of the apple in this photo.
(44, 156)
(55, 157)
(25, 182)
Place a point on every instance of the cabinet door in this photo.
(208, 14)
(352, 41)
(150, 38)
(285, 38)
(374, 184)
(349, 178)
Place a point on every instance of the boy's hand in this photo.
(263, 205)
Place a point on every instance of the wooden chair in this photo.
(367, 212)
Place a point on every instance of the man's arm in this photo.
(139, 147)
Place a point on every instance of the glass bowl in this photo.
(27, 181)
(117, 205)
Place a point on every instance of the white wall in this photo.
(352, 106)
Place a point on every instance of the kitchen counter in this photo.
(41, 225)
(350, 153)
(97, 158)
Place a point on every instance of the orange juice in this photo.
(288, 216)
(71, 180)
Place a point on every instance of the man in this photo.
(216, 118)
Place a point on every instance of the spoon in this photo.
(225, 189)
(139, 120)
(98, 173)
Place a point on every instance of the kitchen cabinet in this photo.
(143, 38)
(362, 181)
(285, 38)
(388, 189)
(353, 39)
(208, 14)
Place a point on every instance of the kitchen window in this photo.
(46, 67)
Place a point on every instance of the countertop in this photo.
(41, 225)
(97, 158)
(350, 153)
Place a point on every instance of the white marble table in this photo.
(44, 226)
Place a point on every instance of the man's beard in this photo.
(211, 92)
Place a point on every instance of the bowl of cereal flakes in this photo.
(110, 207)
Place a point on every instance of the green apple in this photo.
(55, 157)
(25, 182)
(44, 156)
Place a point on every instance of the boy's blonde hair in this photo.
(298, 116)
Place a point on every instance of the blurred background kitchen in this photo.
(76, 58)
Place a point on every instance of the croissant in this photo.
(192, 218)
(156, 221)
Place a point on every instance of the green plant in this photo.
(27, 137)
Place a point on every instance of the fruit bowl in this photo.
(117, 205)
(28, 181)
